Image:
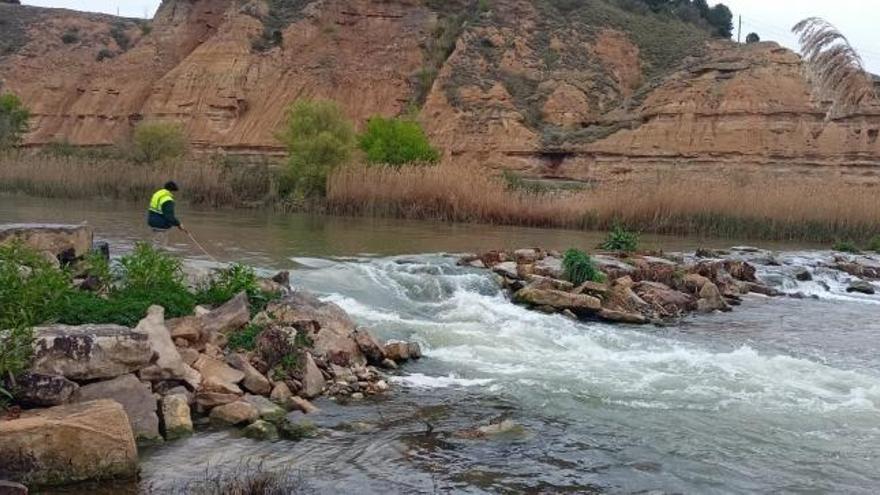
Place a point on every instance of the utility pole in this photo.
(739, 30)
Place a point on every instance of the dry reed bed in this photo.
(204, 182)
(767, 209)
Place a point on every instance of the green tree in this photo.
(396, 142)
(318, 138)
(753, 38)
(721, 20)
(154, 141)
(13, 121)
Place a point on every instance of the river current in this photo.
(781, 395)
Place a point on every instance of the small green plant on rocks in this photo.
(579, 268)
(30, 287)
(246, 338)
(846, 246)
(621, 239)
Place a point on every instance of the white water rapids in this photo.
(709, 411)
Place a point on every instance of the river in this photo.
(782, 395)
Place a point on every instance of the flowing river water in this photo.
(780, 395)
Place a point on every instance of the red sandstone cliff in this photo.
(593, 93)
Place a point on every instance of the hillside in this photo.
(554, 88)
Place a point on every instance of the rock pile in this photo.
(108, 386)
(637, 289)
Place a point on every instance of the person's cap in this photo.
(171, 185)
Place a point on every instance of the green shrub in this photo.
(148, 268)
(30, 287)
(95, 265)
(104, 53)
(318, 138)
(246, 338)
(70, 36)
(228, 282)
(621, 239)
(846, 246)
(123, 306)
(13, 121)
(154, 141)
(874, 244)
(579, 268)
(396, 141)
(117, 32)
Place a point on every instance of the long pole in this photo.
(739, 30)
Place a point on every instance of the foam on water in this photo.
(464, 321)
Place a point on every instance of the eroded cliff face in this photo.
(585, 92)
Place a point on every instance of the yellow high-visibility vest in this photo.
(159, 198)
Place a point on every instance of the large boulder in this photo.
(267, 409)
(331, 331)
(217, 376)
(176, 416)
(68, 241)
(168, 365)
(664, 300)
(90, 352)
(861, 287)
(229, 317)
(69, 443)
(369, 346)
(549, 266)
(711, 299)
(136, 398)
(253, 381)
(235, 413)
(558, 300)
(36, 389)
(313, 380)
(397, 350)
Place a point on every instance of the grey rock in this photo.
(136, 398)
(89, 352)
(861, 287)
(261, 430)
(176, 416)
(35, 389)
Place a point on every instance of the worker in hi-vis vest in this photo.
(161, 214)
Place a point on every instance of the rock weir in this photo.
(636, 288)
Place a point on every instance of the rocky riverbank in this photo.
(94, 392)
(656, 287)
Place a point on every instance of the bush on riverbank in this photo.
(145, 277)
(396, 142)
(156, 141)
(13, 121)
(29, 288)
(319, 138)
(819, 211)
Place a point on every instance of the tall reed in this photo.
(674, 204)
(205, 182)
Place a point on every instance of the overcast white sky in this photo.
(771, 19)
